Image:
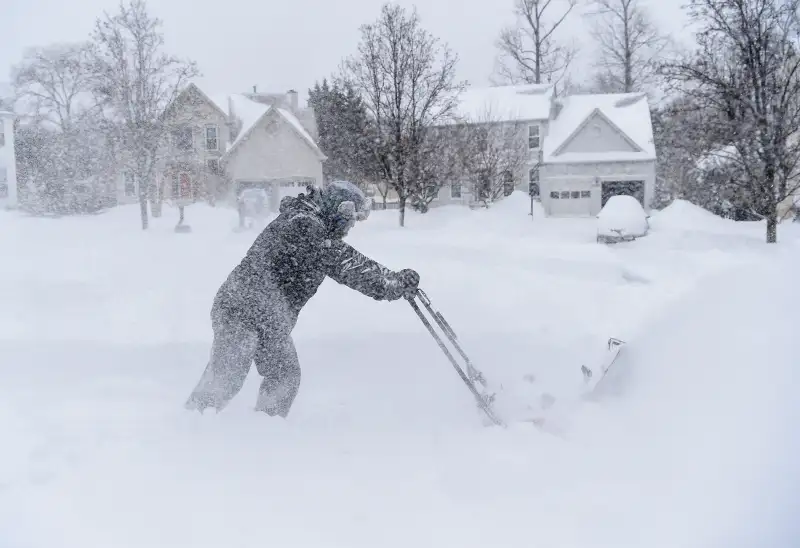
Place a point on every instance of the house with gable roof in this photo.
(582, 149)
(221, 145)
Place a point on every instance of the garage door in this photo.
(625, 188)
(570, 202)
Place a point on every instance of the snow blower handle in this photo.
(474, 374)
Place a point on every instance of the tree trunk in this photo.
(402, 212)
(180, 211)
(155, 200)
(772, 227)
(143, 208)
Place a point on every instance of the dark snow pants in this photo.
(236, 345)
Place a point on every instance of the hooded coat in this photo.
(290, 259)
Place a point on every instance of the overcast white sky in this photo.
(279, 45)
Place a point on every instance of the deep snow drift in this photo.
(105, 329)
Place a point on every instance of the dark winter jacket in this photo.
(290, 259)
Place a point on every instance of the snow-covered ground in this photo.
(104, 329)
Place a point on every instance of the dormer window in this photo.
(533, 136)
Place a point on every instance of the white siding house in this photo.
(8, 161)
(598, 146)
(221, 145)
(521, 109)
(583, 149)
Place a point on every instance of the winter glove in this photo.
(401, 284)
(409, 281)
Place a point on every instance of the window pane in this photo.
(576, 194)
(533, 136)
(565, 194)
(211, 138)
(554, 195)
(533, 189)
(586, 194)
(533, 175)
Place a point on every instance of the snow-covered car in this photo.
(622, 219)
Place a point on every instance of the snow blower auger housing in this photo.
(468, 373)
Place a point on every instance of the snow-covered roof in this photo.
(250, 112)
(505, 103)
(629, 112)
(294, 121)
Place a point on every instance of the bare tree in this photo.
(747, 68)
(55, 82)
(407, 81)
(496, 151)
(629, 46)
(53, 86)
(439, 159)
(529, 51)
(138, 81)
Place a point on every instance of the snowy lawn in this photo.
(104, 329)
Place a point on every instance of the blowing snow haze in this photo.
(262, 284)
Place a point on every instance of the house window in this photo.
(575, 194)
(455, 190)
(213, 166)
(533, 136)
(554, 195)
(211, 138)
(586, 193)
(130, 184)
(183, 138)
(508, 183)
(565, 194)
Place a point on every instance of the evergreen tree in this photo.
(344, 130)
